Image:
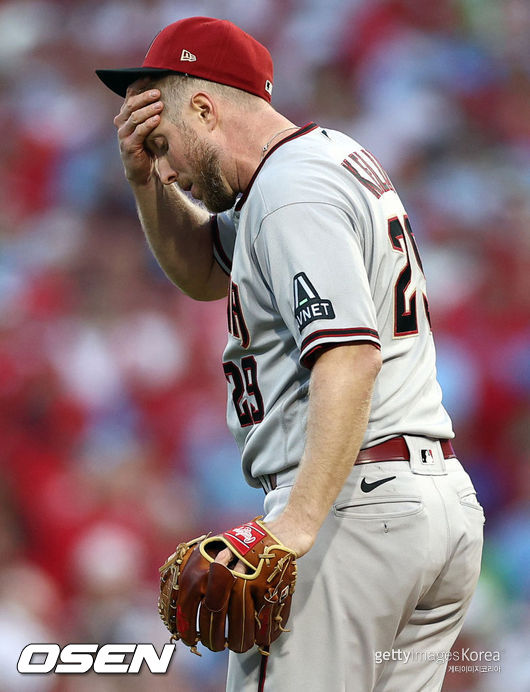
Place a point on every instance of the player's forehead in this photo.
(145, 84)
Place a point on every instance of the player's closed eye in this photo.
(156, 147)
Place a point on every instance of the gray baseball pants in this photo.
(381, 596)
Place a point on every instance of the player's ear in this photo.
(205, 108)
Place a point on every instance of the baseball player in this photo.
(330, 361)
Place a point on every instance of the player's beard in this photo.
(204, 160)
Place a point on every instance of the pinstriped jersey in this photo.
(320, 252)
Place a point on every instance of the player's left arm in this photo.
(342, 381)
(340, 393)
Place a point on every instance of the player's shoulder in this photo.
(326, 170)
(307, 161)
(305, 167)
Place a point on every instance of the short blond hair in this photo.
(177, 89)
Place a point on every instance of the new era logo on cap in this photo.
(186, 56)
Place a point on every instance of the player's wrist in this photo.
(293, 534)
(142, 182)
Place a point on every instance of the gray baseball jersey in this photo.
(312, 247)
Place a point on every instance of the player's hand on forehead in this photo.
(138, 117)
(141, 104)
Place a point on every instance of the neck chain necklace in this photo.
(265, 149)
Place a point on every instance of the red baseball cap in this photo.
(213, 49)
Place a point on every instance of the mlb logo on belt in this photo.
(427, 456)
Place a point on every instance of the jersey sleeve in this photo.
(224, 229)
(310, 255)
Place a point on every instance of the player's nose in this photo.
(166, 174)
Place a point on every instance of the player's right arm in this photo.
(177, 230)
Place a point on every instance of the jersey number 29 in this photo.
(245, 389)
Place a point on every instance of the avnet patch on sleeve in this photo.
(308, 305)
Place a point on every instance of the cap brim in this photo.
(119, 80)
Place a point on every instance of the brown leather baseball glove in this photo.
(256, 603)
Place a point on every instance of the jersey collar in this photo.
(308, 127)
